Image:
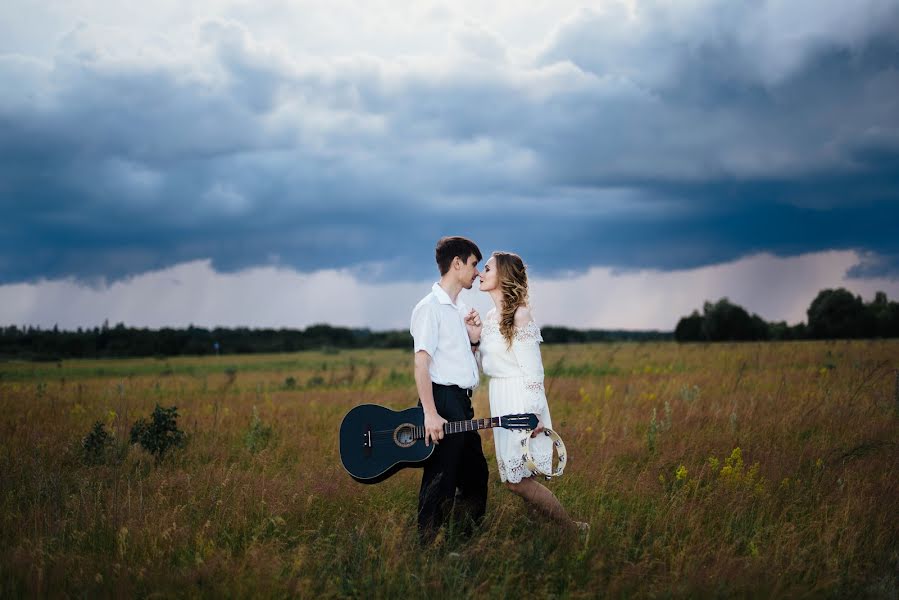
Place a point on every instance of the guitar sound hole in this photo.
(404, 435)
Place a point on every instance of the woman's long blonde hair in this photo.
(512, 276)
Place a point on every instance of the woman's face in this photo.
(489, 277)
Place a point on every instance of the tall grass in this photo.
(766, 470)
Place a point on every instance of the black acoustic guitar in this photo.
(376, 442)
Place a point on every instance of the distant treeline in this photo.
(34, 343)
(833, 314)
(121, 341)
(563, 335)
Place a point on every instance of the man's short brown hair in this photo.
(449, 248)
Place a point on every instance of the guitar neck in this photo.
(460, 426)
(472, 425)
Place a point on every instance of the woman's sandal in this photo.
(583, 529)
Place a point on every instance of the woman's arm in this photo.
(526, 348)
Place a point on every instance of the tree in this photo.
(839, 314)
(689, 329)
(724, 321)
(885, 315)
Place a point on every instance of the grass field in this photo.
(761, 470)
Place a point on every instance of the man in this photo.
(446, 335)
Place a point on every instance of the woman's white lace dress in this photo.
(516, 386)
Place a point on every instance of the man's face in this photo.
(468, 272)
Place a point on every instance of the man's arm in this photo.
(433, 421)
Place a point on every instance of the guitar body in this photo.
(376, 442)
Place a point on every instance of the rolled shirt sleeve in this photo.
(425, 328)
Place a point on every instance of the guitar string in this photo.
(389, 433)
(487, 423)
(478, 424)
(481, 425)
(451, 430)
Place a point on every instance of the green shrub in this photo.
(95, 446)
(160, 434)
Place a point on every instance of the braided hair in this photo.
(513, 283)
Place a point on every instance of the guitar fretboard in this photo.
(461, 426)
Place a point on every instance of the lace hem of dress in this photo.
(534, 386)
(514, 471)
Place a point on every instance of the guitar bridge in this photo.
(366, 441)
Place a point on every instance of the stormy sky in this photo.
(286, 163)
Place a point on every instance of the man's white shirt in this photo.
(438, 328)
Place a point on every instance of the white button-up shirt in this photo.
(438, 328)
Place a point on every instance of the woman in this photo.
(510, 356)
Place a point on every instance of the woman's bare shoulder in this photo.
(523, 316)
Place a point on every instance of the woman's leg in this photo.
(544, 500)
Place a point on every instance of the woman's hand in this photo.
(539, 428)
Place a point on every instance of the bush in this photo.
(95, 445)
(160, 434)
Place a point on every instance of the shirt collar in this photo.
(441, 294)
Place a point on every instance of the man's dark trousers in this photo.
(457, 462)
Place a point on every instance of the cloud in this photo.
(480, 42)
(642, 136)
(778, 289)
(273, 296)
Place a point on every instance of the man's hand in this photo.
(433, 427)
(473, 325)
(539, 428)
(433, 421)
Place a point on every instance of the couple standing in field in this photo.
(449, 337)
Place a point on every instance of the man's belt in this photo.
(467, 391)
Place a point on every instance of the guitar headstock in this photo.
(524, 421)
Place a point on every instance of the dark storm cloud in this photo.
(667, 146)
